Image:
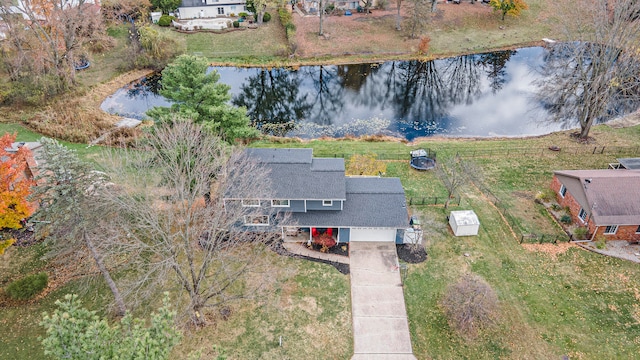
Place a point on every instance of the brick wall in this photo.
(623, 233)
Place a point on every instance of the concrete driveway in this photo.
(380, 326)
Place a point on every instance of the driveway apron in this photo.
(380, 326)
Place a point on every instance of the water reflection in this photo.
(489, 94)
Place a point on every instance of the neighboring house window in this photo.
(327, 202)
(611, 229)
(280, 203)
(563, 190)
(582, 215)
(220, 11)
(251, 203)
(256, 220)
(244, 8)
(233, 8)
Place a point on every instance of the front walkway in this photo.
(380, 325)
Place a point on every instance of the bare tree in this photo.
(595, 76)
(470, 305)
(419, 17)
(71, 211)
(321, 11)
(452, 176)
(46, 37)
(398, 17)
(178, 227)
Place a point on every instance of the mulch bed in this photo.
(412, 254)
(23, 237)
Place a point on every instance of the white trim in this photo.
(327, 202)
(562, 191)
(608, 230)
(280, 205)
(250, 205)
(249, 220)
(638, 230)
(582, 218)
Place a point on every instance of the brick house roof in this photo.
(610, 197)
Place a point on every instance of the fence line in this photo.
(432, 200)
(511, 219)
(380, 155)
(510, 151)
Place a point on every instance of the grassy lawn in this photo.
(570, 302)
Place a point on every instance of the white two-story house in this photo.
(194, 9)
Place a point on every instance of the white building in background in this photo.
(194, 9)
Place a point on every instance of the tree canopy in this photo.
(509, 7)
(15, 186)
(73, 332)
(197, 96)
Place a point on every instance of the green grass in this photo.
(580, 304)
(310, 310)
(577, 303)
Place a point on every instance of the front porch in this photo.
(322, 236)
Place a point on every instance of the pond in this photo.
(480, 95)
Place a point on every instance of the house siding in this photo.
(625, 232)
(573, 205)
(211, 11)
(317, 205)
(344, 234)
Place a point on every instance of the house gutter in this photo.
(595, 232)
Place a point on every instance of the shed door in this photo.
(373, 234)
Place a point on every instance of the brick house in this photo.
(606, 201)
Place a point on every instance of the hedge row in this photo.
(290, 28)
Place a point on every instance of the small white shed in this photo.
(464, 223)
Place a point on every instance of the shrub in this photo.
(382, 5)
(236, 24)
(165, 20)
(266, 17)
(546, 195)
(232, 15)
(243, 15)
(470, 305)
(5, 244)
(581, 232)
(28, 287)
(601, 243)
(555, 207)
(566, 219)
(423, 47)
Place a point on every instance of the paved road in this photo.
(380, 326)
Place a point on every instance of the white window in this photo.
(582, 215)
(327, 202)
(220, 11)
(563, 190)
(279, 203)
(256, 220)
(611, 229)
(251, 203)
(638, 230)
(233, 7)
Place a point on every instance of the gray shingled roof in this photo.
(371, 202)
(374, 185)
(327, 164)
(296, 175)
(281, 156)
(361, 210)
(612, 197)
